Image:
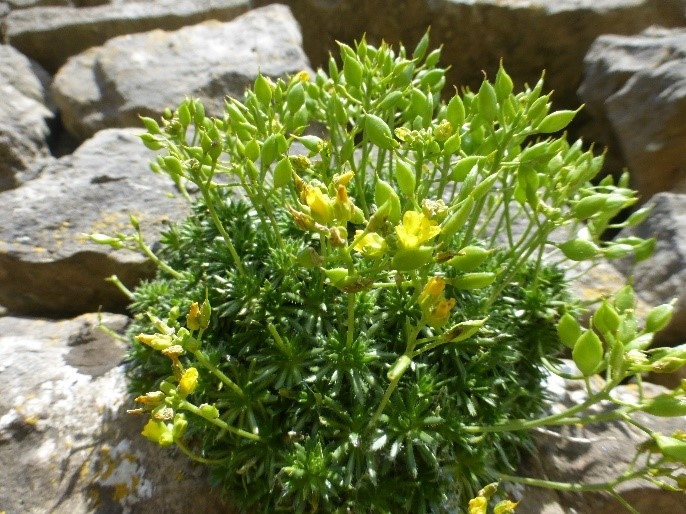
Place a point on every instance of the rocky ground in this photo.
(75, 75)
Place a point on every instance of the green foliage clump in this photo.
(361, 309)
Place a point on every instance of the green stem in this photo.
(154, 258)
(195, 457)
(114, 279)
(202, 359)
(351, 321)
(221, 423)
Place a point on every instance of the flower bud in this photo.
(158, 432)
(193, 317)
(188, 382)
(208, 411)
(156, 342)
(179, 426)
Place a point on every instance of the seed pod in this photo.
(659, 317)
(263, 89)
(589, 206)
(209, 411)
(452, 145)
(150, 142)
(198, 113)
(666, 406)
(173, 166)
(503, 84)
(484, 187)
(477, 280)
(463, 167)
(464, 330)
(606, 319)
(252, 150)
(671, 447)
(579, 249)
(637, 217)
(408, 259)
(378, 132)
(150, 125)
(617, 251)
(456, 220)
(588, 352)
(538, 110)
(487, 102)
(555, 121)
(312, 143)
(390, 100)
(420, 49)
(405, 177)
(455, 112)
(384, 192)
(568, 330)
(352, 71)
(184, 115)
(295, 98)
(469, 258)
(283, 172)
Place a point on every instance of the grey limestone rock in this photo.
(51, 34)
(67, 444)
(111, 85)
(47, 264)
(635, 86)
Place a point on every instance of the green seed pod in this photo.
(588, 352)
(295, 98)
(477, 280)
(399, 367)
(487, 102)
(283, 172)
(352, 71)
(665, 406)
(198, 112)
(431, 78)
(484, 187)
(617, 251)
(336, 275)
(456, 220)
(173, 166)
(659, 317)
(606, 319)
(555, 122)
(538, 110)
(589, 206)
(270, 150)
(408, 259)
(384, 192)
(671, 447)
(637, 217)
(568, 330)
(469, 258)
(628, 326)
(252, 150)
(463, 167)
(150, 125)
(579, 249)
(464, 330)
(150, 142)
(390, 100)
(503, 84)
(184, 115)
(535, 152)
(420, 49)
(418, 103)
(452, 145)
(405, 177)
(378, 132)
(263, 89)
(455, 112)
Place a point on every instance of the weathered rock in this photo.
(24, 118)
(595, 453)
(47, 265)
(530, 35)
(52, 34)
(143, 74)
(662, 277)
(66, 442)
(636, 88)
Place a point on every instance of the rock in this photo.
(24, 118)
(111, 85)
(47, 265)
(635, 87)
(66, 442)
(661, 278)
(595, 453)
(52, 34)
(529, 36)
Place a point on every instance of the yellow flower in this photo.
(416, 229)
(478, 505)
(188, 382)
(319, 204)
(158, 432)
(440, 313)
(371, 245)
(434, 305)
(433, 290)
